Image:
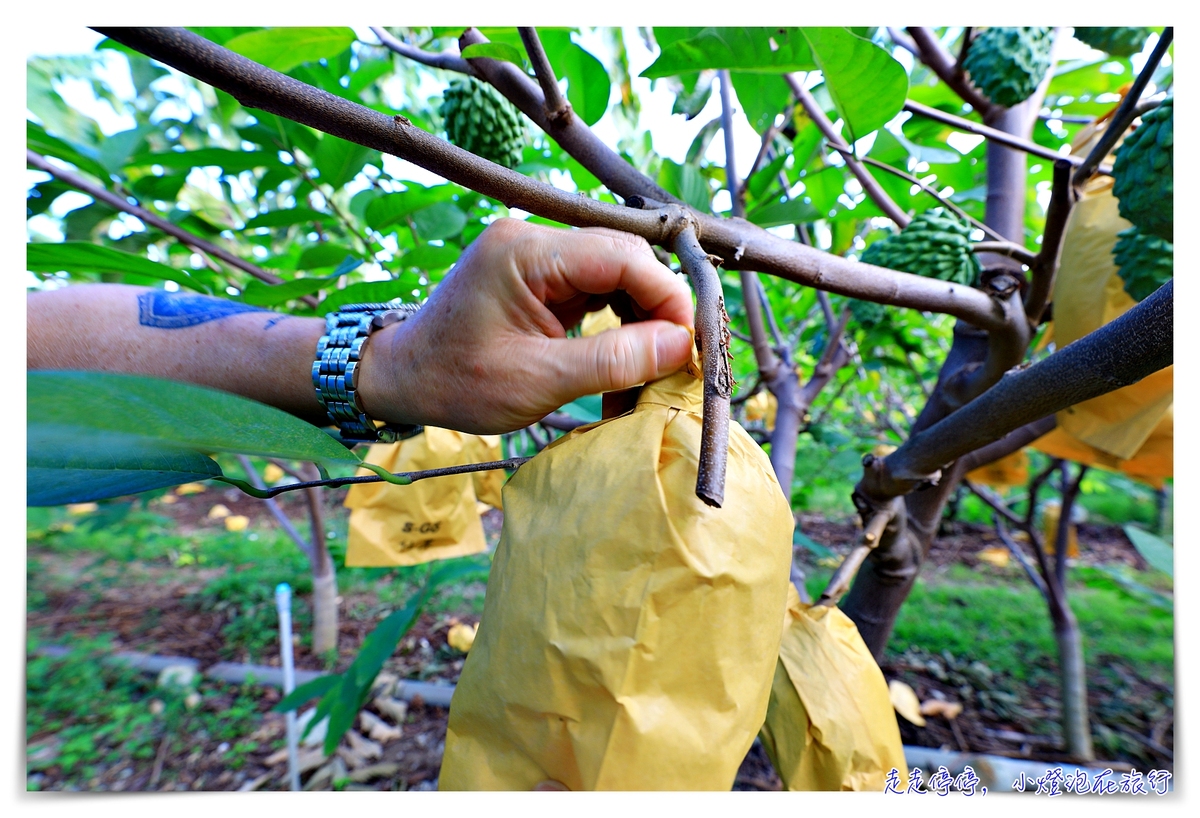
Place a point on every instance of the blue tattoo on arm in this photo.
(175, 311)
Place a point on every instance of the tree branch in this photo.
(869, 184)
(1004, 248)
(941, 63)
(1045, 266)
(556, 105)
(992, 134)
(1013, 441)
(449, 62)
(712, 336)
(1023, 560)
(276, 512)
(202, 245)
(1125, 114)
(1117, 354)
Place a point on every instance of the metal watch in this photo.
(335, 370)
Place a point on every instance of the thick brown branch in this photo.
(869, 184)
(1045, 266)
(941, 63)
(1120, 353)
(450, 62)
(556, 106)
(713, 340)
(992, 134)
(1125, 113)
(122, 204)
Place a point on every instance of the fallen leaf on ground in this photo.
(905, 700)
(237, 522)
(81, 508)
(191, 488)
(218, 512)
(377, 728)
(937, 707)
(994, 556)
(461, 637)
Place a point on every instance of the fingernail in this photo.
(672, 348)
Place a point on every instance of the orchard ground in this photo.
(158, 575)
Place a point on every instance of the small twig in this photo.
(1005, 248)
(746, 395)
(869, 184)
(932, 191)
(741, 336)
(1125, 113)
(839, 583)
(450, 62)
(402, 478)
(827, 309)
(277, 512)
(556, 105)
(770, 313)
(159, 758)
(561, 422)
(1070, 490)
(963, 47)
(194, 241)
(986, 132)
(712, 335)
(539, 440)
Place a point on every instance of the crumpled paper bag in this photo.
(430, 519)
(830, 724)
(1010, 470)
(630, 631)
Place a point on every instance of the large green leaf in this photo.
(1154, 550)
(793, 211)
(686, 182)
(325, 255)
(495, 51)
(588, 84)
(173, 415)
(431, 256)
(386, 210)
(867, 84)
(64, 466)
(85, 257)
(370, 292)
(268, 295)
(287, 217)
(439, 221)
(767, 50)
(340, 161)
(37, 140)
(763, 97)
(285, 48)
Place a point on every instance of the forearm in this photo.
(214, 342)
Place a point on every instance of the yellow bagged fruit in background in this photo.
(428, 520)
(763, 406)
(484, 449)
(1010, 470)
(830, 724)
(630, 631)
(594, 323)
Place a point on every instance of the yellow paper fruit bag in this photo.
(630, 630)
(830, 724)
(484, 449)
(1010, 470)
(1131, 428)
(594, 323)
(428, 520)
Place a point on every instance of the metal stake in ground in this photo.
(283, 602)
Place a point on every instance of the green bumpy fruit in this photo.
(1144, 173)
(936, 244)
(481, 121)
(1120, 41)
(867, 313)
(1007, 64)
(1144, 262)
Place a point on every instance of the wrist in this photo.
(385, 386)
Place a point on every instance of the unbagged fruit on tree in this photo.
(481, 121)
(1120, 41)
(936, 244)
(1007, 64)
(1144, 173)
(1144, 262)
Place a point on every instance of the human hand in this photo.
(488, 353)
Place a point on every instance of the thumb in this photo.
(620, 358)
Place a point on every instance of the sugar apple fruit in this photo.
(1120, 41)
(867, 313)
(935, 244)
(1007, 64)
(1143, 173)
(1144, 262)
(481, 121)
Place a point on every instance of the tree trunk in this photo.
(1072, 672)
(324, 599)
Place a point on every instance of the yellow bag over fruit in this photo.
(830, 724)
(594, 323)
(1010, 470)
(1131, 428)
(428, 520)
(630, 630)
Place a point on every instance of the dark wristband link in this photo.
(336, 368)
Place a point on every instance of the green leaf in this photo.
(311, 689)
(793, 211)
(37, 140)
(268, 295)
(763, 97)
(325, 255)
(763, 178)
(391, 208)
(340, 161)
(287, 217)
(812, 545)
(495, 51)
(686, 182)
(368, 291)
(431, 256)
(285, 48)
(231, 162)
(588, 84)
(439, 221)
(85, 257)
(766, 50)
(700, 144)
(1157, 552)
(867, 84)
(174, 415)
(589, 408)
(64, 466)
